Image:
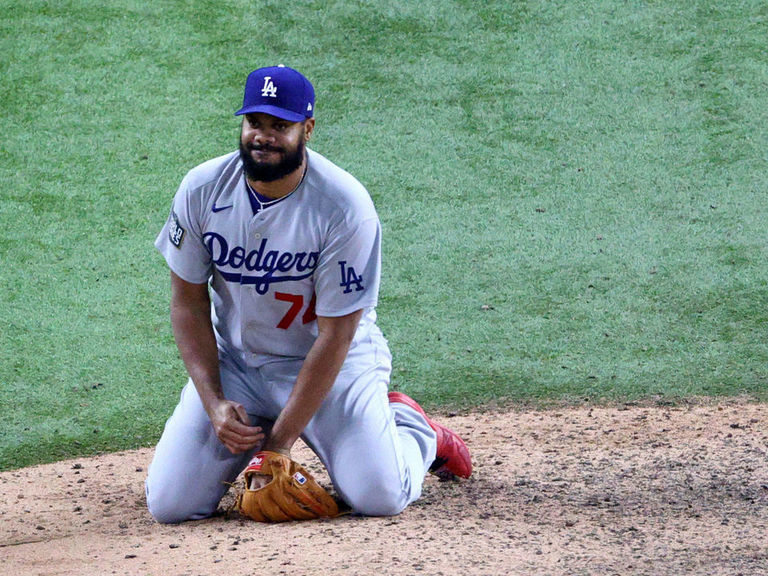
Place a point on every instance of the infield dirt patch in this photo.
(575, 490)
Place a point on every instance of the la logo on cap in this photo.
(269, 88)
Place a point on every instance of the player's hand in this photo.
(233, 429)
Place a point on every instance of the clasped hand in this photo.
(233, 427)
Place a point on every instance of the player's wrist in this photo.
(272, 446)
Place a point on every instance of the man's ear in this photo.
(309, 127)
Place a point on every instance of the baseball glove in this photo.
(291, 494)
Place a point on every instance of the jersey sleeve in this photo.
(180, 240)
(349, 270)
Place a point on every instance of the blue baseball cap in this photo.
(279, 91)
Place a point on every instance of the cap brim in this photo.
(272, 111)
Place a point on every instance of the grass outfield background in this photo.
(573, 195)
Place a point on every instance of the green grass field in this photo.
(573, 195)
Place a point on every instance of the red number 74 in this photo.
(297, 303)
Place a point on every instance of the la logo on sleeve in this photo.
(350, 278)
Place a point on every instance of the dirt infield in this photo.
(589, 490)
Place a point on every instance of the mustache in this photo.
(263, 148)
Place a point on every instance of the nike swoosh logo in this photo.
(219, 208)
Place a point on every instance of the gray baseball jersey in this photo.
(315, 252)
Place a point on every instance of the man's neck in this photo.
(281, 187)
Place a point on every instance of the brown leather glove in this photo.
(291, 494)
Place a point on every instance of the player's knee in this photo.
(164, 515)
(170, 509)
(378, 501)
(164, 511)
(171, 513)
(381, 507)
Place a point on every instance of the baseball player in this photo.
(275, 255)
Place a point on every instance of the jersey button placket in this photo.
(248, 294)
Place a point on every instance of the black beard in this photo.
(265, 172)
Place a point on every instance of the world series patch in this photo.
(175, 231)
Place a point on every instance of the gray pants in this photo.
(376, 454)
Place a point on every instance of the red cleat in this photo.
(453, 457)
